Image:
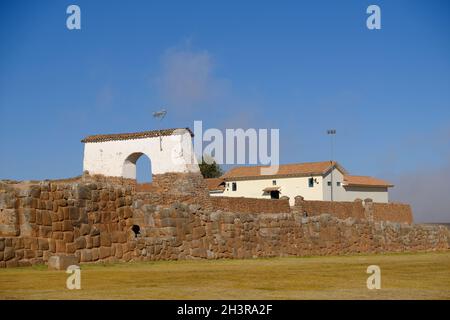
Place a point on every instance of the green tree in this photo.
(211, 169)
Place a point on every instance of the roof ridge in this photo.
(133, 135)
(288, 169)
(285, 164)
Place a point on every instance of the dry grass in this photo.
(404, 276)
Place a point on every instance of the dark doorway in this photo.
(274, 194)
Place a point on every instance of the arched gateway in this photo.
(170, 151)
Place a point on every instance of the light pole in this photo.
(332, 133)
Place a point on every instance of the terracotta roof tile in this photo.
(214, 184)
(365, 181)
(134, 135)
(285, 170)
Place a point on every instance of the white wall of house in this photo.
(338, 189)
(377, 194)
(289, 187)
(118, 158)
(295, 186)
(343, 193)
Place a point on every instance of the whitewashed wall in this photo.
(118, 158)
(295, 186)
(341, 193)
(290, 187)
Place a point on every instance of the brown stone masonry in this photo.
(92, 219)
(181, 187)
(250, 205)
(393, 212)
(396, 212)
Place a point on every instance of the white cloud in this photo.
(187, 79)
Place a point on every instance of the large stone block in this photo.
(71, 248)
(119, 237)
(80, 242)
(96, 241)
(29, 254)
(9, 223)
(7, 200)
(73, 213)
(46, 218)
(60, 246)
(8, 253)
(104, 252)
(61, 262)
(105, 239)
(45, 231)
(86, 255)
(118, 251)
(82, 192)
(35, 191)
(67, 225)
(68, 236)
(95, 254)
(14, 263)
(85, 229)
(43, 244)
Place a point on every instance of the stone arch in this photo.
(129, 165)
(169, 151)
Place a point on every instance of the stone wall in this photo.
(181, 187)
(88, 219)
(393, 212)
(92, 220)
(342, 210)
(250, 205)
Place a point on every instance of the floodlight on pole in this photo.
(332, 133)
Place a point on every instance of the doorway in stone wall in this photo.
(138, 166)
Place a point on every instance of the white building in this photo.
(169, 150)
(314, 181)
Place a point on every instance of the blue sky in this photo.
(300, 66)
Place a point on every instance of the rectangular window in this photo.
(329, 183)
(274, 182)
(338, 183)
(234, 186)
(311, 182)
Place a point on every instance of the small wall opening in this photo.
(136, 229)
(143, 170)
(138, 166)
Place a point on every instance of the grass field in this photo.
(403, 276)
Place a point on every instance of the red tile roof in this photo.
(284, 170)
(215, 184)
(365, 181)
(133, 135)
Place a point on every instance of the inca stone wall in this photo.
(251, 205)
(392, 212)
(92, 219)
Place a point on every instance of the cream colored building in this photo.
(313, 181)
